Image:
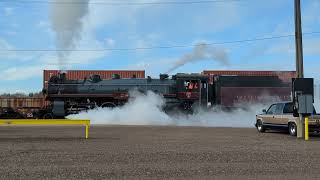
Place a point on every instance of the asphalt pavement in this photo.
(148, 152)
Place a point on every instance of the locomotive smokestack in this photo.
(66, 23)
(63, 72)
(62, 75)
(201, 52)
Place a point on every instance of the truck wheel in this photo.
(293, 129)
(260, 126)
(48, 116)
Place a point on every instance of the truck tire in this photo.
(260, 126)
(292, 129)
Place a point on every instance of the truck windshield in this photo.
(272, 109)
(276, 109)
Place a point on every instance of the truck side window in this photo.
(279, 109)
(288, 108)
(272, 109)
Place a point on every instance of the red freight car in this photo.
(238, 96)
(285, 76)
(82, 74)
(231, 91)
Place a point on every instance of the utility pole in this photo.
(298, 35)
(299, 56)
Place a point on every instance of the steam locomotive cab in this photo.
(192, 90)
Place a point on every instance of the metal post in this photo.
(299, 56)
(298, 37)
(87, 131)
(306, 129)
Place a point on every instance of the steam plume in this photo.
(67, 22)
(145, 109)
(201, 52)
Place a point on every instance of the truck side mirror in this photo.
(264, 111)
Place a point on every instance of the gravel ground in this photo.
(146, 152)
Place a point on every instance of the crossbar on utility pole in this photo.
(299, 56)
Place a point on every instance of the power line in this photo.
(160, 47)
(120, 4)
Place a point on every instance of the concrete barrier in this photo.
(85, 123)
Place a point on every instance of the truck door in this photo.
(278, 116)
(287, 113)
(269, 117)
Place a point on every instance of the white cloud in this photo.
(13, 91)
(214, 18)
(153, 66)
(12, 55)
(311, 46)
(47, 61)
(43, 24)
(15, 25)
(134, 17)
(21, 72)
(11, 33)
(218, 17)
(311, 14)
(110, 42)
(281, 48)
(145, 40)
(8, 11)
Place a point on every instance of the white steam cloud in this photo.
(67, 23)
(201, 52)
(145, 109)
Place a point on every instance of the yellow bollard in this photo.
(87, 131)
(306, 128)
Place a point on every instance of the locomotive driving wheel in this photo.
(108, 105)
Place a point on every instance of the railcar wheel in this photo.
(48, 116)
(260, 126)
(293, 129)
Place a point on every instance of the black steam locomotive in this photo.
(182, 91)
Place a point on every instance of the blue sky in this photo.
(28, 26)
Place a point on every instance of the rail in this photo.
(85, 123)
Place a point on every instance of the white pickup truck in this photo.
(280, 116)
